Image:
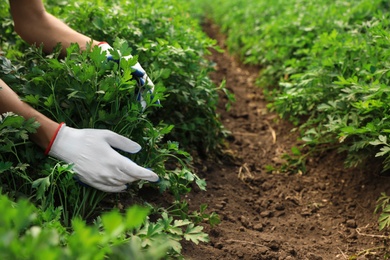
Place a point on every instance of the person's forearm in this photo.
(10, 102)
(36, 26)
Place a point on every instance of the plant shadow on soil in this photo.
(325, 213)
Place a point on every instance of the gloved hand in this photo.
(144, 82)
(96, 163)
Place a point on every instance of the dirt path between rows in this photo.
(326, 213)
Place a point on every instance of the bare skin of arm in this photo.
(36, 26)
(9, 101)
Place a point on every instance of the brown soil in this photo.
(324, 213)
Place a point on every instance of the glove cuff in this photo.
(53, 138)
(105, 48)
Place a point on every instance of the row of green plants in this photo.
(45, 212)
(324, 66)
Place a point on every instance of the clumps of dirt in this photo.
(325, 213)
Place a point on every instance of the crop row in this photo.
(324, 67)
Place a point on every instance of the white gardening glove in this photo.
(96, 163)
(144, 82)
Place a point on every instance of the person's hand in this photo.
(143, 80)
(96, 163)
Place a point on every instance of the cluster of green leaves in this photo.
(383, 208)
(25, 228)
(14, 132)
(84, 90)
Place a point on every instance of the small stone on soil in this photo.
(266, 214)
(351, 223)
(279, 206)
(258, 227)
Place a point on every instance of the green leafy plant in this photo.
(24, 229)
(171, 47)
(84, 90)
(383, 208)
(14, 132)
(54, 190)
(292, 163)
